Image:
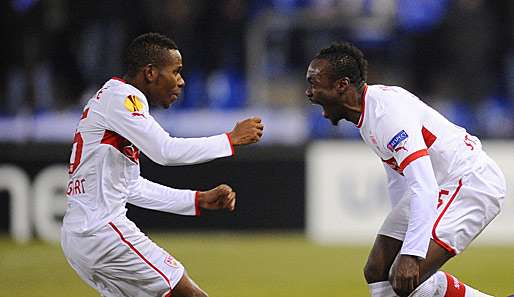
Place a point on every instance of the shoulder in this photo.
(389, 91)
(120, 94)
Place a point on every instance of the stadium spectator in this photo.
(444, 189)
(104, 247)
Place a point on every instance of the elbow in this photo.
(159, 159)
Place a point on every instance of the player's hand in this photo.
(218, 198)
(405, 275)
(247, 131)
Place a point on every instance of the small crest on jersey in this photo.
(133, 104)
(396, 140)
(169, 260)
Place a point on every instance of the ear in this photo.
(342, 84)
(150, 73)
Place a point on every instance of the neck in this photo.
(137, 83)
(355, 109)
(130, 80)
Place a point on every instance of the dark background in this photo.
(269, 182)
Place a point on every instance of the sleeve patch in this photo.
(133, 104)
(397, 140)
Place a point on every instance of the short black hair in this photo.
(346, 60)
(148, 48)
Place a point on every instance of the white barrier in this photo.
(17, 183)
(347, 198)
(40, 205)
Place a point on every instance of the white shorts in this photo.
(119, 260)
(465, 207)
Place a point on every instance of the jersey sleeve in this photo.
(401, 138)
(147, 194)
(423, 192)
(130, 118)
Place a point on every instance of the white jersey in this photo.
(400, 129)
(104, 165)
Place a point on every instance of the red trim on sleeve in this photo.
(363, 107)
(198, 211)
(428, 137)
(133, 248)
(434, 234)
(230, 141)
(412, 157)
(119, 79)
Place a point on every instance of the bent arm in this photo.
(154, 196)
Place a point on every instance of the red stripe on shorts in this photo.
(139, 254)
(434, 235)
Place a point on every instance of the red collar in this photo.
(119, 79)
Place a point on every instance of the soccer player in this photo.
(104, 247)
(443, 188)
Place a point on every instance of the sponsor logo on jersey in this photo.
(133, 104)
(397, 140)
(401, 147)
(132, 152)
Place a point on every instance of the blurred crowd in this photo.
(455, 54)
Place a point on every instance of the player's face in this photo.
(169, 83)
(322, 91)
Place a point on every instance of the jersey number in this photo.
(76, 153)
(76, 150)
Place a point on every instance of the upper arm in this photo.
(401, 137)
(130, 118)
(133, 122)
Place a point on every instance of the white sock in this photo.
(381, 289)
(434, 286)
(442, 284)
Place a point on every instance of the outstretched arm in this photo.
(145, 133)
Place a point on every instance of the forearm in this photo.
(158, 197)
(184, 151)
(148, 136)
(422, 189)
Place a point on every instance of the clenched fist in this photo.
(218, 198)
(247, 131)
